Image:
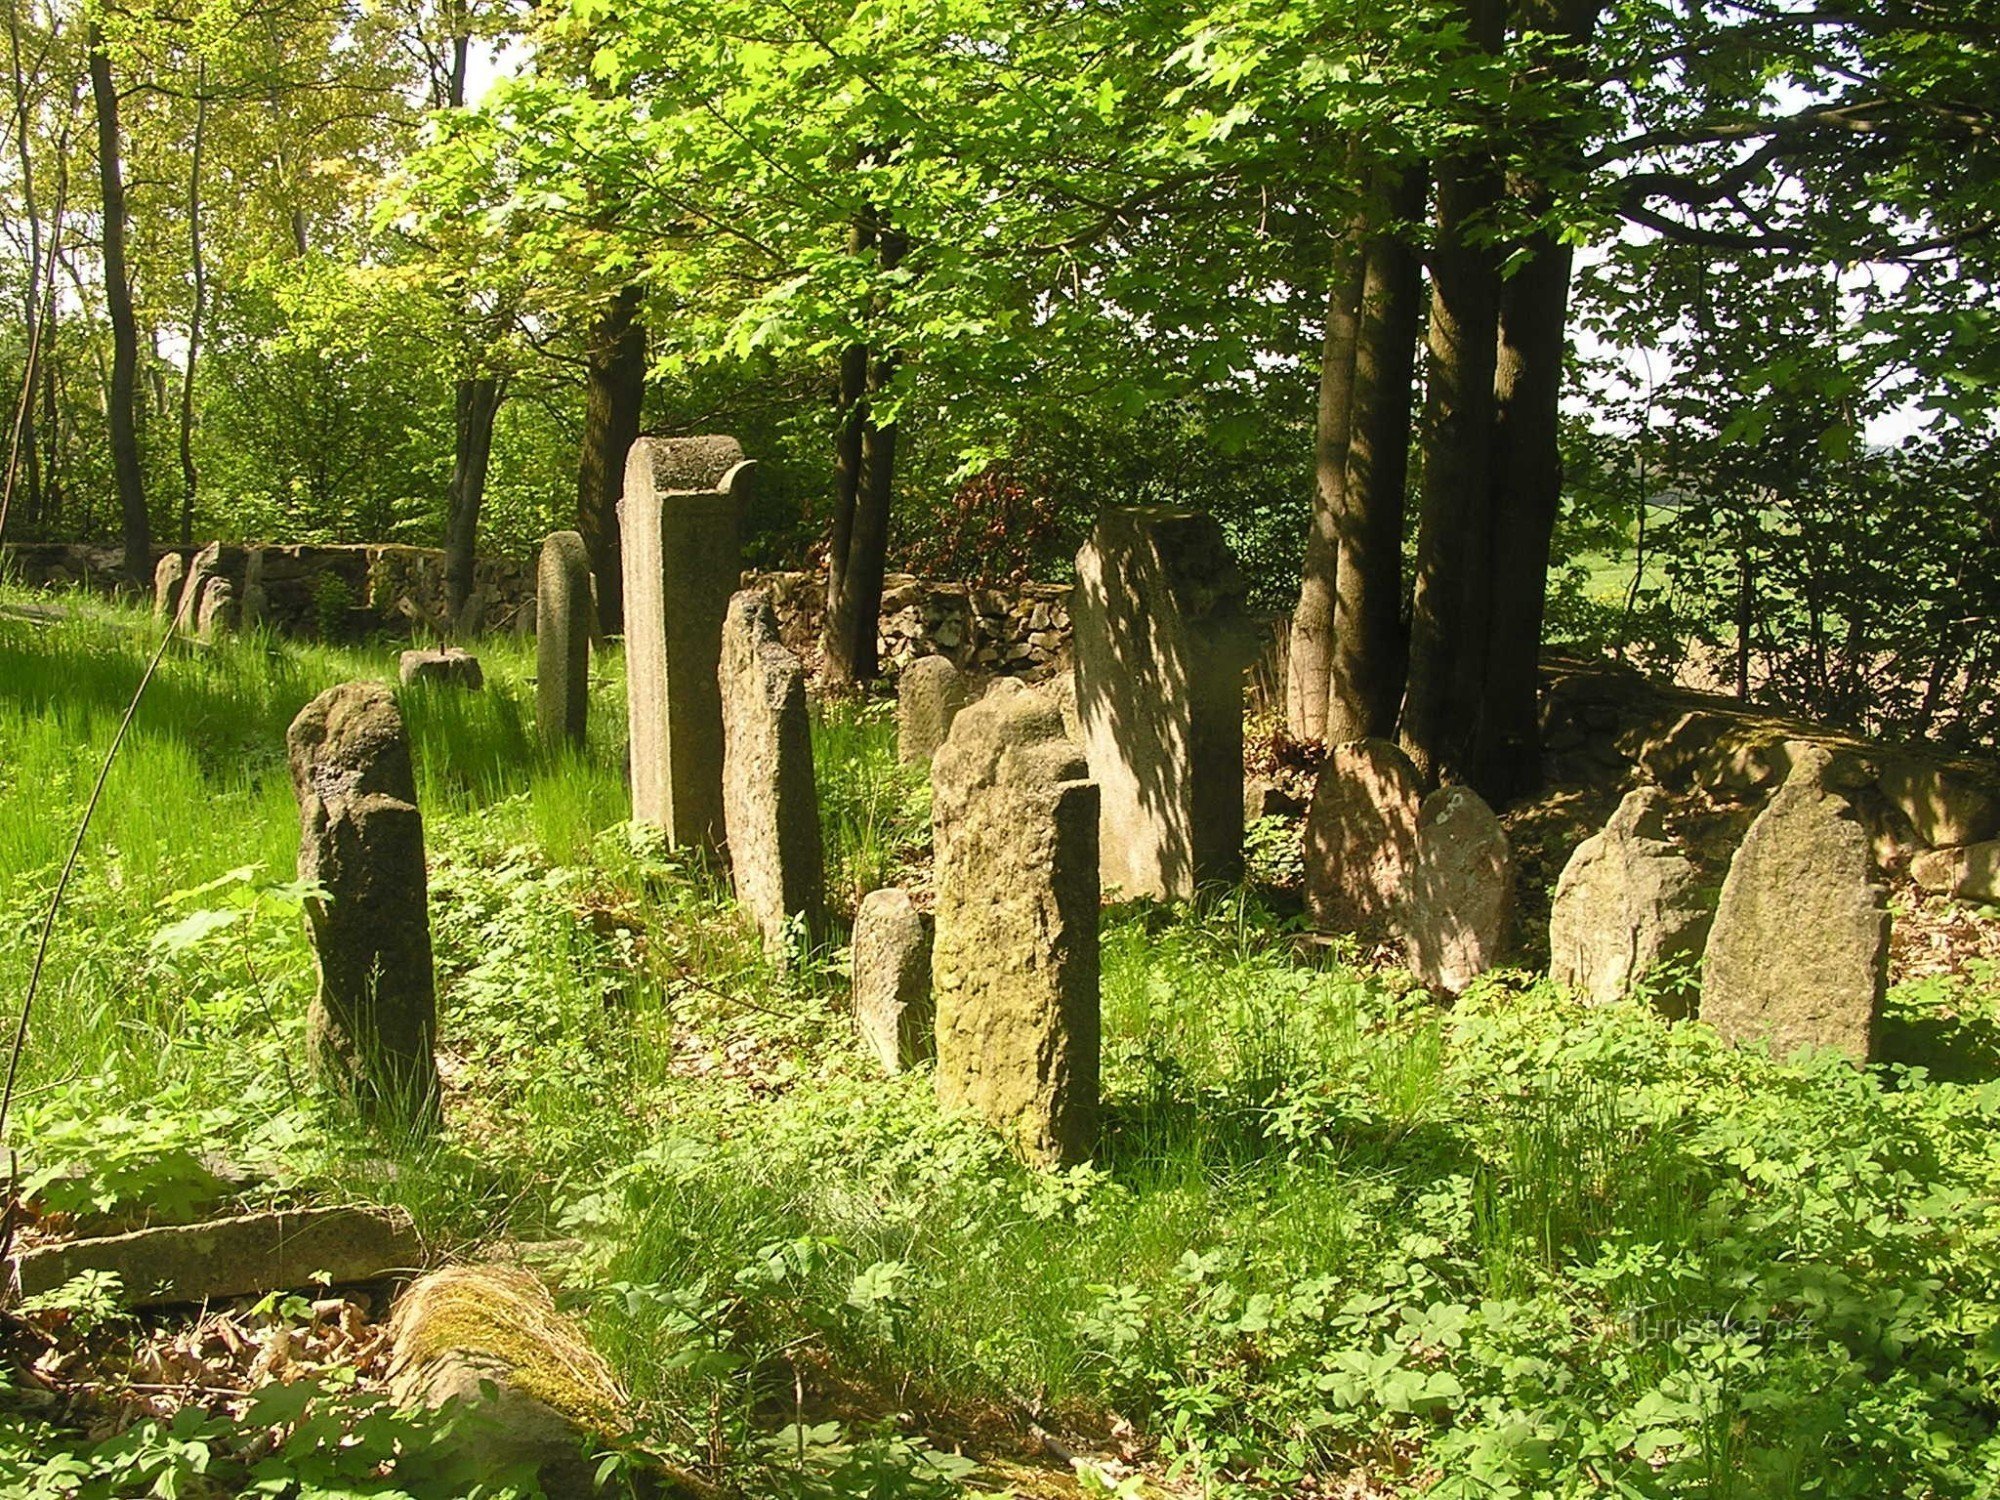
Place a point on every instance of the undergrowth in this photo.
(1336, 1231)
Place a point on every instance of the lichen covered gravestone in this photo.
(892, 979)
(1627, 903)
(203, 566)
(678, 523)
(255, 606)
(770, 800)
(361, 839)
(562, 639)
(1798, 955)
(1361, 836)
(1161, 642)
(446, 666)
(930, 691)
(169, 574)
(1015, 965)
(1461, 904)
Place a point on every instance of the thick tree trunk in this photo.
(24, 453)
(614, 396)
(199, 269)
(868, 546)
(1366, 683)
(1309, 655)
(122, 404)
(1528, 492)
(478, 403)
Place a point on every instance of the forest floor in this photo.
(1341, 1239)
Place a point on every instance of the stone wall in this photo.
(343, 591)
(1021, 630)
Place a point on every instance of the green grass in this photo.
(1511, 1248)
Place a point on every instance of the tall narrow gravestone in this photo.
(203, 566)
(770, 802)
(678, 523)
(562, 639)
(1161, 643)
(169, 573)
(361, 839)
(1799, 951)
(1015, 964)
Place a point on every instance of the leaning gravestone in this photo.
(361, 839)
(770, 800)
(203, 566)
(892, 979)
(443, 666)
(1627, 903)
(930, 691)
(217, 615)
(678, 521)
(1161, 642)
(1361, 836)
(169, 573)
(1462, 897)
(562, 639)
(1799, 951)
(1015, 966)
(256, 604)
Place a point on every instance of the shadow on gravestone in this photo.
(1161, 644)
(678, 523)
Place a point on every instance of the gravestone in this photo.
(929, 693)
(892, 979)
(1015, 965)
(1161, 643)
(217, 615)
(562, 639)
(169, 574)
(443, 666)
(770, 801)
(678, 521)
(361, 838)
(1461, 903)
(1361, 836)
(203, 566)
(1798, 955)
(1628, 901)
(256, 603)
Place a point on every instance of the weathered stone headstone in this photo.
(892, 979)
(1461, 903)
(1361, 836)
(1015, 966)
(562, 639)
(1628, 901)
(1971, 871)
(443, 666)
(203, 566)
(1799, 952)
(217, 615)
(169, 573)
(678, 521)
(1161, 644)
(770, 800)
(929, 693)
(361, 838)
(256, 603)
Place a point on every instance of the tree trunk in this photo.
(1366, 682)
(864, 463)
(614, 395)
(122, 405)
(24, 453)
(1309, 655)
(1528, 493)
(478, 402)
(199, 270)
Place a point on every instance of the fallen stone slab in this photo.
(245, 1256)
(1971, 871)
